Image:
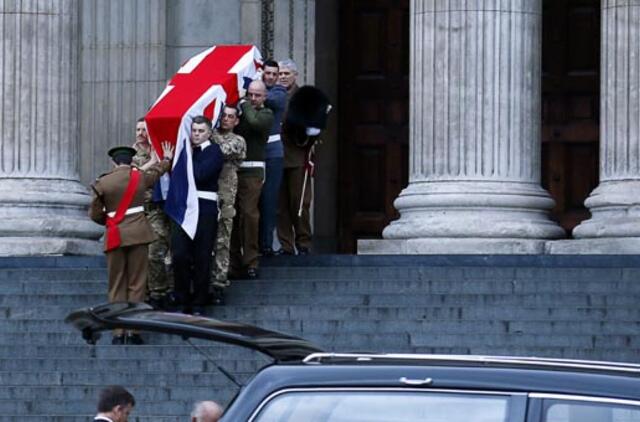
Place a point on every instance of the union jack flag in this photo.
(207, 81)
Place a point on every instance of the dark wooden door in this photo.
(570, 105)
(374, 115)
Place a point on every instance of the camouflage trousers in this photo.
(220, 259)
(160, 279)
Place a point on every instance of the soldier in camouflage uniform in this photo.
(234, 149)
(160, 279)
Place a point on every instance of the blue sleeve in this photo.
(276, 99)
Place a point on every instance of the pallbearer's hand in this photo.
(167, 150)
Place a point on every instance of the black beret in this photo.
(121, 150)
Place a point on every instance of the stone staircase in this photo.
(572, 307)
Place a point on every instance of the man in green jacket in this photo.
(255, 123)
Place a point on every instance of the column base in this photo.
(42, 216)
(615, 210)
(451, 246)
(38, 246)
(487, 210)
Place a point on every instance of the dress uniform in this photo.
(118, 203)
(254, 127)
(192, 257)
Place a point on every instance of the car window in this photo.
(384, 406)
(568, 411)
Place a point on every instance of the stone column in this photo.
(123, 59)
(474, 182)
(42, 204)
(615, 204)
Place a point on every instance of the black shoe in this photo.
(268, 252)
(156, 302)
(216, 297)
(117, 340)
(303, 251)
(252, 274)
(134, 339)
(281, 252)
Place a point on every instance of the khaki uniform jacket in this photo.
(109, 189)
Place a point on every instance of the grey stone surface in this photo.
(615, 203)
(42, 203)
(437, 246)
(600, 245)
(474, 134)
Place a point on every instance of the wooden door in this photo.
(570, 105)
(374, 115)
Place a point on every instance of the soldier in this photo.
(118, 203)
(274, 156)
(254, 126)
(159, 280)
(192, 257)
(234, 150)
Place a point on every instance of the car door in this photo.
(390, 405)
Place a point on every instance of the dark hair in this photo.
(112, 396)
(232, 107)
(140, 119)
(270, 63)
(202, 119)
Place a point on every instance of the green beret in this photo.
(122, 150)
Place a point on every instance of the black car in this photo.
(305, 384)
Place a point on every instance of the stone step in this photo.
(44, 364)
(147, 352)
(88, 378)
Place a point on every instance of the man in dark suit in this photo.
(192, 257)
(118, 203)
(115, 404)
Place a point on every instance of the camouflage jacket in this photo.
(234, 150)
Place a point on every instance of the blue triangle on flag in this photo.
(246, 83)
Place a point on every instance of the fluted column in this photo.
(42, 204)
(123, 57)
(615, 203)
(474, 182)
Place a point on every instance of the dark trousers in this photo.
(269, 201)
(244, 236)
(294, 230)
(192, 260)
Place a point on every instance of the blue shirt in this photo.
(207, 164)
(277, 102)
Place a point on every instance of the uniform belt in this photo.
(252, 164)
(129, 211)
(273, 138)
(211, 196)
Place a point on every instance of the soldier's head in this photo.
(121, 155)
(141, 130)
(115, 402)
(228, 118)
(270, 73)
(257, 93)
(200, 130)
(288, 73)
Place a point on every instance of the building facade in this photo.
(459, 126)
